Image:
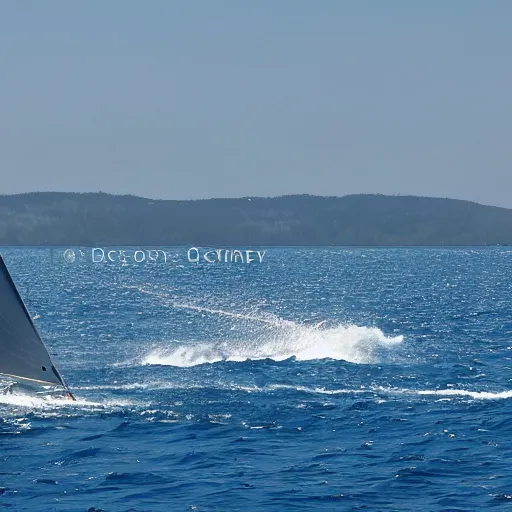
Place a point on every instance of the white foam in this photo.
(139, 386)
(479, 395)
(319, 391)
(350, 343)
(52, 403)
(269, 337)
(444, 393)
(43, 402)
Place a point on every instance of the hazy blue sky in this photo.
(216, 98)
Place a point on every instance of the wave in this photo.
(350, 343)
(272, 338)
(382, 391)
(14, 405)
(479, 395)
(270, 388)
(49, 402)
(40, 402)
(445, 393)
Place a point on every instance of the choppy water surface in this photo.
(318, 379)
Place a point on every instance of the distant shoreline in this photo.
(62, 219)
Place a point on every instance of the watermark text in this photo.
(195, 255)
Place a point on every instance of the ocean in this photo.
(309, 379)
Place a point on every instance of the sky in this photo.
(197, 99)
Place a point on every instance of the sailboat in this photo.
(23, 355)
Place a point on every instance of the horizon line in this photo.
(100, 192)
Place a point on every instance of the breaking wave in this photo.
(269, 337)
(345, 342)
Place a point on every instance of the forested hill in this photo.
(98, 219)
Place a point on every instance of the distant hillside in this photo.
(98, 219)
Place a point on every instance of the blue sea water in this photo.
(319, 379)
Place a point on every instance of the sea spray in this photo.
(344, 342)
(276, 339)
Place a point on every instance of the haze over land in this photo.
(183, 100)
(374, 220)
